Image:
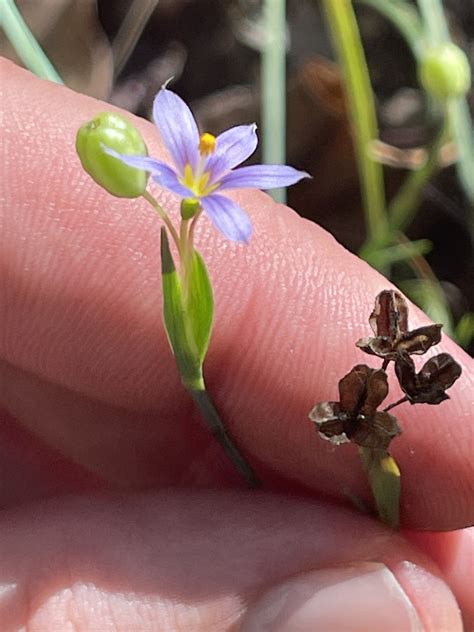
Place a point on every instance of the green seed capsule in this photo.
(115, 132)
(444, 71)
(189, 207)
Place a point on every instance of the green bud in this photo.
(189, 207)
(444, 71)
(115, 132)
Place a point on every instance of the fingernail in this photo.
(351, 599)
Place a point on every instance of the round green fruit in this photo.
(114, 131)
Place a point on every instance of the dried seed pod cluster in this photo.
(355, 418)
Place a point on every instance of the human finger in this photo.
(87, 369)
(180, 560)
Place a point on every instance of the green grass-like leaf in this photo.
(362, 114)
(177, 322)
(400, 252)
(464, 330)
(384, 478)
(187, 313)
(200, 304)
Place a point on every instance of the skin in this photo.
(103, 456)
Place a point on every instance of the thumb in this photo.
(213, 561)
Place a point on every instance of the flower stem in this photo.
(130, 30)
(360, 99)
(214, 422)
(403, 207)
(274, 87)
(397, 403)
(164, 216)
(186, 255)
(193, 227)
(183, 236)
(24, 42)
(436, 27)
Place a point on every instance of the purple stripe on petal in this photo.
(232, 148)
(228, 217)
(167, 178)
(138, 162)
(262, 177)
(177, 127)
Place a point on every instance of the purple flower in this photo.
(205, 165)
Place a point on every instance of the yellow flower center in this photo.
(197, 181)
(207, 144)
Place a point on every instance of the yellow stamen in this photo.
(207, 144)
(188, 179)
(197, 180)
(196, 183)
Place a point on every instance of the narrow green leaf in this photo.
(177, 322)
(362, 113)
(464, 331)
(400, 252)
(200, 304)
(384, 478)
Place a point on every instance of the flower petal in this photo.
(161, 173)
(262, 177)
(167, 178)
(232, 147)
(228, 217)
(178, 128)
(138, 162)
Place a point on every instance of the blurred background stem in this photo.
(403, 207)
(345, 33)
(274, 87)
(24, 42)
(131, 29)
(436, 32)
(436, 28)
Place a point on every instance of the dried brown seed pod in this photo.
(389, 322)
(355, 417)
(429, 385)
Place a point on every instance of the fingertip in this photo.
(453, 552)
